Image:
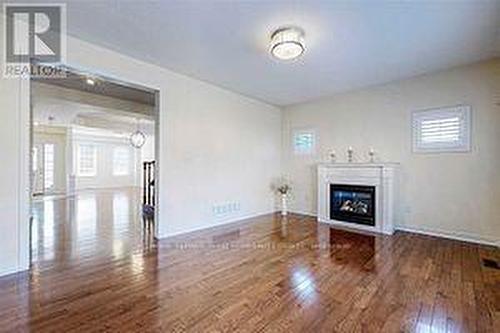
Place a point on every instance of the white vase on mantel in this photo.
(284, 206)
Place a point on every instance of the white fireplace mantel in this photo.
(383, 176)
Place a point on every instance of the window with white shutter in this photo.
(442, 130)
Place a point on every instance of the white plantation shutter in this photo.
(442, 130)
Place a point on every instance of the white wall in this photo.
(148, 150)
(215, 146)
(14, 193)
(454, 193)
(220, 147)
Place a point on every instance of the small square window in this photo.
(304, 142)
(442, 130)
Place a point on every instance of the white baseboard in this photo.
(299, 212)
(224, 223)
(12, 270)
(464, 237)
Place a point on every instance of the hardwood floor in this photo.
(95, 270)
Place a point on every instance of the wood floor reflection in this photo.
(95, 270)
(103, 223)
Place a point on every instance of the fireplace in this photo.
(375, 185)
(352, 203)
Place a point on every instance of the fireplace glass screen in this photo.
(352, 203)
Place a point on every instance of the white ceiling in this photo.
(55, 106)
(350, 44)
(66, 114)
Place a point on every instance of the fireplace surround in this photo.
(359, 195)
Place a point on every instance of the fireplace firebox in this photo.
(352, 203)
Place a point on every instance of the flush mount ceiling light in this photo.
(90, 81)
(287, 43)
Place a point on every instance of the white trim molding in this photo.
(458, 236)
(300, 212)
(213, 226)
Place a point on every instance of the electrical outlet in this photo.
(226, 208)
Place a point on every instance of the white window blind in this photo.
(121, 161)
(86, 160)
(442, 130)
(304, 142)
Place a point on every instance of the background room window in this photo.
(442, 130)
(304, 142)
(48, 166)
(121, 161)
(86, 160)
(34, 162)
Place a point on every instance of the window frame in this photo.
(49, 165)
(303, 131)
(463, 112)
(79, 171)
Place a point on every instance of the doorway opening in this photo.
(93, 157)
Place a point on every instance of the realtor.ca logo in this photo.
(35, 40)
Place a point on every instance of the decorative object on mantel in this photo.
(333, 156)
(371, 153)
(284, 190)
(350, 151)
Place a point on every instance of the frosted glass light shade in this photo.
(287, 43)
